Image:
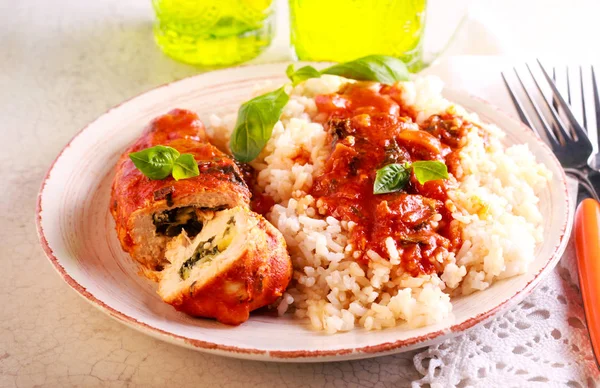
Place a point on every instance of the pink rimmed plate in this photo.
(77, 233)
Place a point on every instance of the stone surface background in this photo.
(62, 64)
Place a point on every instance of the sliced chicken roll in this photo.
(236, 264)
(148, 212)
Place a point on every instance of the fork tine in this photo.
(524, 118)
(579, 132)
(596, 105)
(549, 134)
(560, 126)
(583, 111)
(568, 85)
(554, 102)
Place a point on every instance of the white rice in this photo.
(496, 202)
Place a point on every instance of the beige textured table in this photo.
(61, 66)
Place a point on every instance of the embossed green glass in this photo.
(213, 32)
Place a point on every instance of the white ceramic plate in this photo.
(77, 233)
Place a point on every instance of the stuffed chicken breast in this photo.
(148, 213)
(237, 263)
(222, 260)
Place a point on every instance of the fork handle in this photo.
(587, 243)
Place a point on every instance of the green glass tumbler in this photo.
(343, 30)
(213, 33)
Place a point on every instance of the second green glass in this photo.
(343, 30)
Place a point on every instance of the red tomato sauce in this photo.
(368, 128)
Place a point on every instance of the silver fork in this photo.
(569, 141)
(573, 149)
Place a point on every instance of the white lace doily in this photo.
(542, 342)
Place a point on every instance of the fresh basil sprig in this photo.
(155, 162)
(378, 68)
(159, 162)
(429, 170)
(185, 167)
(255, 122)
(257, 117)
(302, 74)
(394, 177)
(390, 178)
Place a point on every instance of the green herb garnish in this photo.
(391, 178)
(394, 177)
(155, 162)
(257, 117)
(255, 122)
(159, 162)
(429, 170)
(302, 74)
(185, 167)
(378, 68)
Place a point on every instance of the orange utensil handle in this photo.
(587, 240)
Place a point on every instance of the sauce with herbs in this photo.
(368, 128)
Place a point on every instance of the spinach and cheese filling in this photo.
(208, 249)
(237, 263)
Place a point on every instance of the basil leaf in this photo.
(429, 170)
(391, 178)
(255, 122)
(380, 68)
(155, 162)
(302, 74)
(185, 167)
